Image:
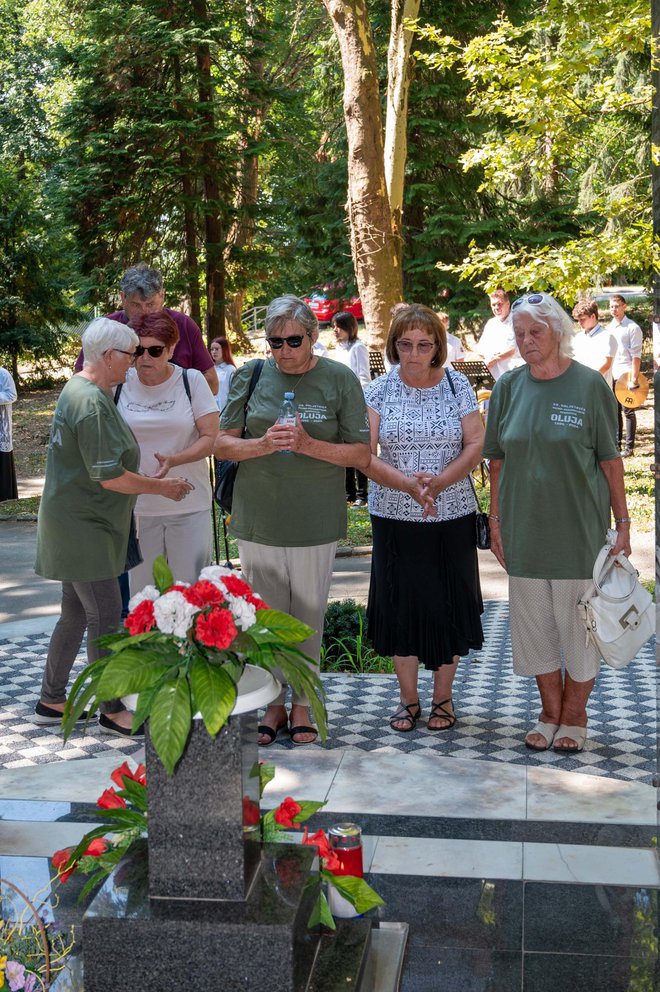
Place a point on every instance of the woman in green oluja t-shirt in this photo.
(289, 504)
(555, 473)
(85, 514)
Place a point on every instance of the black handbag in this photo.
(226, 468)
(133, 553)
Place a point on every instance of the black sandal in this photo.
(294, 731)
(405, 714)
(438, 710)
(270, 733)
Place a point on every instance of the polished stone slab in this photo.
(588, 973)
(590, 865)
(301, 773)
(447, 858)
(598, 919)
(430, 968)
(397, 784)
(32, 839)
(576, 797)
(81, 780)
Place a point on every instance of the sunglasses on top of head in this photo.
(155, 350)
(532, 298)
(293, 342)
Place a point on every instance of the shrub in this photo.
(345, 646)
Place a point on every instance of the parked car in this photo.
(328, 300)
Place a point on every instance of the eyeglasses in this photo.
(532, 298)
(155, 350)
(423, 347)
(131, 354)
(293, 342)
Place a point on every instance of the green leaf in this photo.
(162, 575)
(286, 627)
(124, 819)
(134, 793)
(170, 721)
(266, 773)
(321, 914)
(131, 671)
(145, 702)
(308, 809)
(214, 693)
(358, 892)
(75, 706)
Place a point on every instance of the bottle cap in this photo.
(345, 835)
(288, 396)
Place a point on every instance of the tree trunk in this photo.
(215, 275)
(189, 230)
(396, 120)
(373, 241)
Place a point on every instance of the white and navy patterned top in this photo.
(420, 431)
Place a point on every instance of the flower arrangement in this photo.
(30, 952)
(126, 808)
(183, 650)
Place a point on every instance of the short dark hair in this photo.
(585, 308)
(499, 292)
(346, 322)
(158, 325)
(417, 315)
(621, 299)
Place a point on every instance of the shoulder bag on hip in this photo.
(225, 468)
(617, 611)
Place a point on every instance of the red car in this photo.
(328, 301)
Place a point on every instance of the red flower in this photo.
(94, 849)
(119, 774)
(251, 812)
(328, 857)
(286, 811)
(216, 629)
(60, 858)
(110, 800)
(141, 619)
(203, 593)
(239, 587)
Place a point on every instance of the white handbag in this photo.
(618, 612)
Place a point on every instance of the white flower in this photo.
(244, 613)
(174, 614)
(213, 573)
(149, 592)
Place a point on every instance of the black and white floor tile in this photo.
(494, 707)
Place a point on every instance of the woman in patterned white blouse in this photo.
(424, 599)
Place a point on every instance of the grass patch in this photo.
(10, 507)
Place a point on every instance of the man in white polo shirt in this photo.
(497, 345)
(595, 346)
(627, 359)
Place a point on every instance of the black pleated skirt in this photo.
(425, 596)
(8, 487)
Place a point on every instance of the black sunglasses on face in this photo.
(293, 342)
(155, 350)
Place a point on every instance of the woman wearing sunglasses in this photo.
(289, 507)
(175, 428)
(424, 598)
(555, 474)
(85, 514)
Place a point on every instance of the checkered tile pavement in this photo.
(494, 707)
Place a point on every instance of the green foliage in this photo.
(345, 646)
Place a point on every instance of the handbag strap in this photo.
(469, 475)
(254, 379)
(604, 564)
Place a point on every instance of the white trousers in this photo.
(185, 539)
(296, 581)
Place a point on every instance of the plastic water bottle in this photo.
(287, 415)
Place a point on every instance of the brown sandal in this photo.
(404, 714)
(439, 712)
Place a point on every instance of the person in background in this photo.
(655, 331)
(455, 350)
(8, 486)
(497, 345)
(352, 353)
(425, 600)
(555, 475)
(225, 366)
(627, 360)
(85, 514)
(142, 292)
(594, 346)
(173, 430)
(289, 506)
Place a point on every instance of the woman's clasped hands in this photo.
(424, 489)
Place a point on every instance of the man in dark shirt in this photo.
(142, 291)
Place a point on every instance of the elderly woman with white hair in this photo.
(85, 513)
(289, 507)
(556, 476)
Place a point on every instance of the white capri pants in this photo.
(296, 581)
(545, 624)
(185, 539)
